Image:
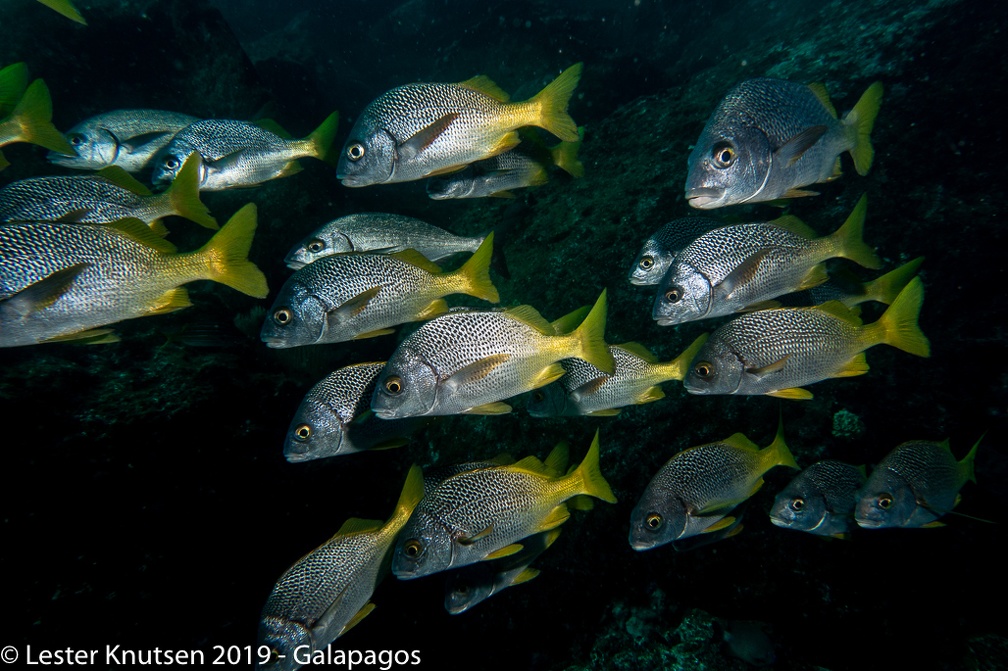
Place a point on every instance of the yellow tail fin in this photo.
(474, 275)
(565, 156)
(34, 115)
(183, 194)
(226, 255)
(849, 238)
(590, 337)
(777, 452)
(861, 120)
(550, 105)
(676, 368)
(589, 475)
(320, 141)
(898, 324)
(13, 82)
(410, 496)
(66, 8)
(884, 289)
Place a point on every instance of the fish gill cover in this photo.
(147, 502)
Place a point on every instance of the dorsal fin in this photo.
(840, 311)
(529, 315)
(791, 223)
(415, 258)
(638, 350)
(116, 175)
(740, 441)
(356, 525)
(819, 91)
(484, 84)
(141, 233)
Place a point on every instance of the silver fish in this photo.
(240, 153)
(379, 232)
(418, 130)
(731, 268)
(126, 138)
(335, 418)
(775, 352)
(363, 295)
(914, 485)
(768, 138)
(820, 500)
(656, 255)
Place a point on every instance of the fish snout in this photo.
(705, 197)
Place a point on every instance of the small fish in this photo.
(483, 514)
(776, 352)
(732, 268)
(328, 591)
(335, 418)
(769, 138)
(63, 281)
(240, 153)
(420, 130)
(103, 198)
(470, 361)
(914, 485)
(379, 232)
(65, 8)
(362, 295)
(126, 138)
(820, 500)
(586, 390)
(525, 165)
(697, 489)
(30, 119)
(476, 583)
(656, 255)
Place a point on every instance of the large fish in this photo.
(63, 281)
(379, 232)
(127, 138)
(104, 198)
(820, 500)
(657, 253)
(335, 418)
(914, 485)
(484, 514)
(769, 138)
(328, 591)
(471, 361)
(240, 153)
(731, 268)
(697, 489)
(776, 352)
(363, 295)
(419, 130)
(30, 118)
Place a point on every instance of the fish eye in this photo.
(274, 656)
(704, 369)
(394, 385)
(303, 432)
(673, 295)
(646, 262)
(723, 155)
(316, 246)
(654, 521)
(283, 316)
(413, 548)
(797, 504)
(538, 396)
(462, 589)
(885, 501)
(76, 139)
(172, 162)
(355, 152)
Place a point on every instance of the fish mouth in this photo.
(274, 342)
(780, 521)
(866, 523)
(294, 264)
(64, 160)
(667, 321)
(296, 457)
(705, 198)
(385, 413)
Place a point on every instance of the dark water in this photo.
(145, 498)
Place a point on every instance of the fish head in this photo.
(317, 431)
(169, 161)
(317, 245)
(684, 295)
(727, 166)
(369, 155)
(406, 387)
(799, 510)
(650, 265)
(886, 500)
(298, 317)
(716, 369)
(451, 186)
(424, 547)
(548, 401)
(95, 148)
(659, 518)
(282, 637)
(467, 586)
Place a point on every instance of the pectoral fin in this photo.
(795, 148)
(355, 305)
(722, 523)
(741, 275)
(42, 294)
(425, 137)
(131, 144)
(476, 371)
(761, 371)
(469, 540)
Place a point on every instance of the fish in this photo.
(328, 591)
(820, 500)
(470, 361)
(524, 166)
(483, 514)
(30, 119)
(852, 292)
(769, 138)
(424, 129)
(105, 197)
(476, 583)
(379, 232)
(362, 295)
(335, 418)
(586, 390)
(127, 138)
(65, 8)
(914, 485)
(776, 352)
(734, 268)
(65, 281)
(240, 153)
(655, 256)
(697, 489)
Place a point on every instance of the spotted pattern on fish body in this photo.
(820, 500)
(656, 255)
